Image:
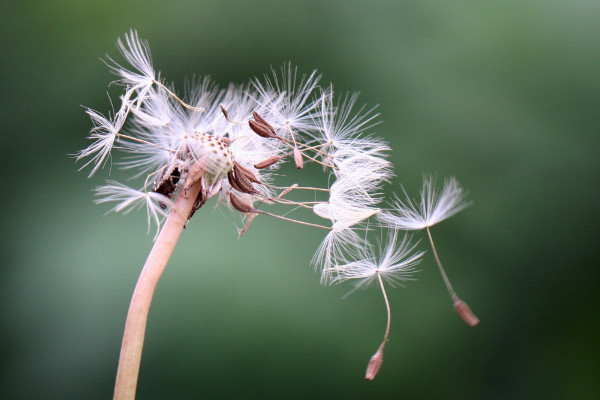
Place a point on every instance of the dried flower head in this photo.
(228, 142)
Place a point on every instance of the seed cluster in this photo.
(208, 158)
(218, 148)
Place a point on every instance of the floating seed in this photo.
(374, 365)
(465, 313)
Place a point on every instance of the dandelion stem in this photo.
(137, 316)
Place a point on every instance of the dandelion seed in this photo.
(395, 263)
(433, 208)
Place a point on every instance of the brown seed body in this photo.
(240, 184)
(233, 182)
(224, 111)
(268, 162)
(249, 175)
(465, 313)
(262, 130)
(262, 121)
(298, 158)
(239, 205)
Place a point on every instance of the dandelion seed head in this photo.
(233, 141)
(230, 143)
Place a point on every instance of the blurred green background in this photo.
(503, 95)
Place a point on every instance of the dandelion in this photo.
(228, 143)
(433, 208)
(395, 263)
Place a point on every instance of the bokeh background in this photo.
(505, 96)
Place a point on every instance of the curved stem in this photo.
(137, 316)
(377, 358)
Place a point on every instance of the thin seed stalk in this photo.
(460, 307)
(440, 267)
(377, 358)
(137, 316)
